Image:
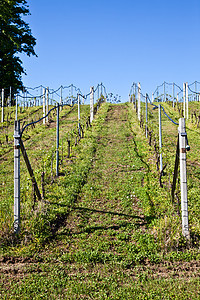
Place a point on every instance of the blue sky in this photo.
(114, 42)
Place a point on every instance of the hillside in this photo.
(107, 228)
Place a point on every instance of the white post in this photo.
(139, 100)
(164, 92)
(71, 94)
(146, 129)
(160, 136)
(79, 115)
(16, 106)
(187, 99)
(17, 177)
(47, 104)
(2, 106)
(44, 100)
(183, 178)
(57, 142)
(173, 94)
(184, 99)
(10, 99)
(92, 104)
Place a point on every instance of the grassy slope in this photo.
(115, 231)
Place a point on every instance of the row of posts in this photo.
(182, 146)
(18, 145)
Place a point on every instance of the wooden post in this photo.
(139, 101)
(17, 177)
(175, 170)
(92, 103)
(183, 178)
(160, 136)
(2, 106)
(30, 170)
(44, 104)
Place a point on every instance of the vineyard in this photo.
(108, 224)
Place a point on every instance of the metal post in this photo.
(79, 116)
(44, 100)
(17, 177)
(160, 136)
(2, 106)
(92, 103)
(183, 178)
(71, 94)
(146, 127)
(139, 100)
(184, 99)
(187, 100)
(10, 99)
(57, 143)
(164, 93)
(47, 104)
(173, 95)
(16, 107)
(195, 91)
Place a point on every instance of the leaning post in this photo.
(183, 178)
(17, 177)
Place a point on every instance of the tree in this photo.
(15, 38)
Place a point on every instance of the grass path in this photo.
(105, 248)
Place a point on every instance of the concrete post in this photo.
(17, 177)
(183, 178)
(92, 103)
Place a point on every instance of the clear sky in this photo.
(86, 42)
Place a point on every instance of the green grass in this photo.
(107, 229)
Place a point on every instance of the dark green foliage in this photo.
(15, 37)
